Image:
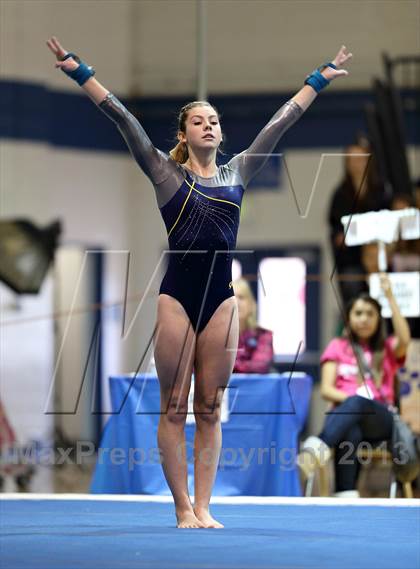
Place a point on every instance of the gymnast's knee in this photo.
(207, 411)
(175, 412)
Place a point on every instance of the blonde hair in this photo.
(180, 152)
(243, 285)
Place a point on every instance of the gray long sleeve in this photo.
(249, 162)
(165, 175)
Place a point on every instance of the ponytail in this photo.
(180, 153)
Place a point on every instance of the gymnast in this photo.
(197, 320)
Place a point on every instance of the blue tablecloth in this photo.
(261, 421)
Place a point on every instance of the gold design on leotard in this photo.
(182, 208)
(209, 198)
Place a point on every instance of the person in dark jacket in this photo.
(358, 192)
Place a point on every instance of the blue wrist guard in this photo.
(82, 73)
(316, 80)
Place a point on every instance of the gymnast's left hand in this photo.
(340, 59)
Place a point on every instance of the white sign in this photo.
(406, 289)
(384, 225)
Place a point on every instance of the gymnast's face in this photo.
(202, 129)
(364, 319)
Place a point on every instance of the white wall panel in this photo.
(96, 30)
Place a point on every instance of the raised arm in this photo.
(250, 162)
(399, 323)
(154, 163)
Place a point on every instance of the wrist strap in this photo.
(316, 80)
(82, 73)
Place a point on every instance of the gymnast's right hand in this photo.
(55, 46)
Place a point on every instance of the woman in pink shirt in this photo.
(255, 347)
(357, 378)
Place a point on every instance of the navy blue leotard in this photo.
(201, 215)
(202, 224)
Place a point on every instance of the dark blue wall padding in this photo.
(30, 111)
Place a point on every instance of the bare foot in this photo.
(204, 516)
(187, 519)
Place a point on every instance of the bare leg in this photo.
(215, 357)
(174, 355)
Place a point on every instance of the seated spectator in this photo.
(358, 192)
(255, 349)
(357, 378)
